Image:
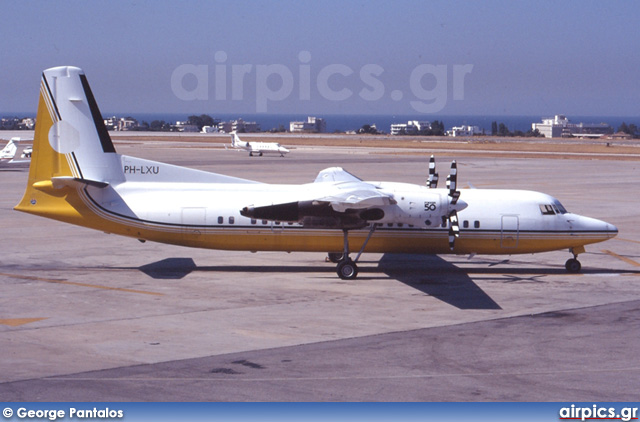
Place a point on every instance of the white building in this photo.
(552, 127)
(312, 125)
(209, 129)
(185, 127)
(464, 131)
(127, 123)
(560, 126)
(412, 127)
(239, 126)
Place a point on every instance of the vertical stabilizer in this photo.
(70, 143)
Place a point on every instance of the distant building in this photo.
(618, 136)
(239, 126)
(209, 129)
(312, 125)
(560, 127)
(27, 123)
(185, 127)
(111, 123)
(15, 123)
(127, 123)
(412, 127)
(465, 131)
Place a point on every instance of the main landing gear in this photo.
(573, 265)
(347, 268)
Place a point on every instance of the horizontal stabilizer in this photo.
(336, 174)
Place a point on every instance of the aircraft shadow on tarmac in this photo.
(428, 274)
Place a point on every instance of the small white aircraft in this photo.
(258, 148)
(16, 151)
(77, 177)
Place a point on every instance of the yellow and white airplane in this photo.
(77, 177)
(257, 148)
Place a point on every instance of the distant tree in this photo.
(201, 120)
(503, 130)
(159, 126)
(533, 133)
(624, 128)
(631, 129)
(494, 128)
(437, 128)
(369, 129)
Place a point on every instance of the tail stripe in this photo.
(47, 101)
(105, 139)
(49, 97)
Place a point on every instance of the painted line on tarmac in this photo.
(627, 240)
(73, 283)
(622, 258)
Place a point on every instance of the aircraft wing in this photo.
(348, 203)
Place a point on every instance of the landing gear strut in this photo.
(347, 268)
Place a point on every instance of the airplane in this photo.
(259, 148)
(15, 152)
(76, 176)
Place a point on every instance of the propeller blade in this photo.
(454, 229)
(452, 183)
(433, 176)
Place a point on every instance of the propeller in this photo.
(454, 194)
(433, 176)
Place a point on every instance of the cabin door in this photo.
(509, 232)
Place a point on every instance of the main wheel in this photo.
(335, 257)
(347, 270)
(573, 266)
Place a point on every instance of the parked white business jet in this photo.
(77, 177)
(16, 151)
(257, 148)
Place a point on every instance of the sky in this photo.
(423, 58)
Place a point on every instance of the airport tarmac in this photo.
(86, 316)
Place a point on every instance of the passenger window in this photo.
(465, 224)
(232, 220)
(476, 224)
(220, 220)
(253, 221)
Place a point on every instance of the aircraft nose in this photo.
(598, 227)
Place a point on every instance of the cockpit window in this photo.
(560, 208)
(547, 209)
(552, 209)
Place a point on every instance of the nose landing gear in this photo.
(573, 265)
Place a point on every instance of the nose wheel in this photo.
(573, 266)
